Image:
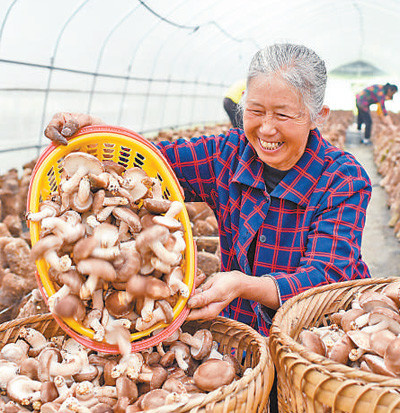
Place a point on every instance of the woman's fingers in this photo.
(71, 126)
(54, 128)
(201, 314)
(200, 278)
(54, 135)
(65, 124)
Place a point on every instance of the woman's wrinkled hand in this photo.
(64, 124)
(214, 295)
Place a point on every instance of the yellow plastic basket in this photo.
(129, 149)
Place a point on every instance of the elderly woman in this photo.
(290, 206)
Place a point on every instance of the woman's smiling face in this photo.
(276, 121)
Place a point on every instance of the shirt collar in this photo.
(299, 182)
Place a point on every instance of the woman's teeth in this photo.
(270, 146)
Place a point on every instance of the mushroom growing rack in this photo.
(128, 149)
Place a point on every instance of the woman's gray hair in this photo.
(298, 65)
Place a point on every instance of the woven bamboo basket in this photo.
(308, 382)
(249, 394)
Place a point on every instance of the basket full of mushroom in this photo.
(220, 366)
(112, 240)
(337, 348)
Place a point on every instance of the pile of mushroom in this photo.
(17, 270)
(114, 247)
(60, 375)
(334, 128)
(386, 149)
(365, 336)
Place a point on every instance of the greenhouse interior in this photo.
(199, 206)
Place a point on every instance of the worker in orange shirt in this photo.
(231, 103)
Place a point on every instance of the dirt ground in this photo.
(380, 249)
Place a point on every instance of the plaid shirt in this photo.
(309, 228)
(370, 95)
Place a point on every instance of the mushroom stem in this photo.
(162, 313)
(59, 295)
(131, 364)
(147, 312)
(175, 282)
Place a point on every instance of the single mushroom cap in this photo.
(116, 305)
(87, 373)
(182, 354)
(47, 248)
(392, 356)
(156, 205)
(380, 340)
(127, 388)
(127, 264)
(348, 318)
(23, 390)
(392, 290)
(96, 269)
(151, 235)
(47, 358)
(8, 370)
(70, 278)
(173, 384)
(155, 376)
(200, 343)
(84, 248)
(134, 182)
(147, 286)
(235, 363)
(129, 217)
(70, 306)
(153, 399)
(383, 318)
(169, 220)
(361, 340)
(106, 234)
(133, 177)
(340, 351)
(372, 300)
(213, 374)
(76, 166)
(378, 365)
(47, 208)
(312, 341)
(114, 167)
(48, 392)
(29, 367)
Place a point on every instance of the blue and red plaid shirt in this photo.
(370, 95)
(308, 229)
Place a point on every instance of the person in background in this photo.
(290, 206)
(375, 94)
(232, 103)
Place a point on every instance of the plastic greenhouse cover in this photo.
(152, 64)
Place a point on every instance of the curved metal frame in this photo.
(216, 53)
(100, 56)
(52, 58)
(5, 19)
